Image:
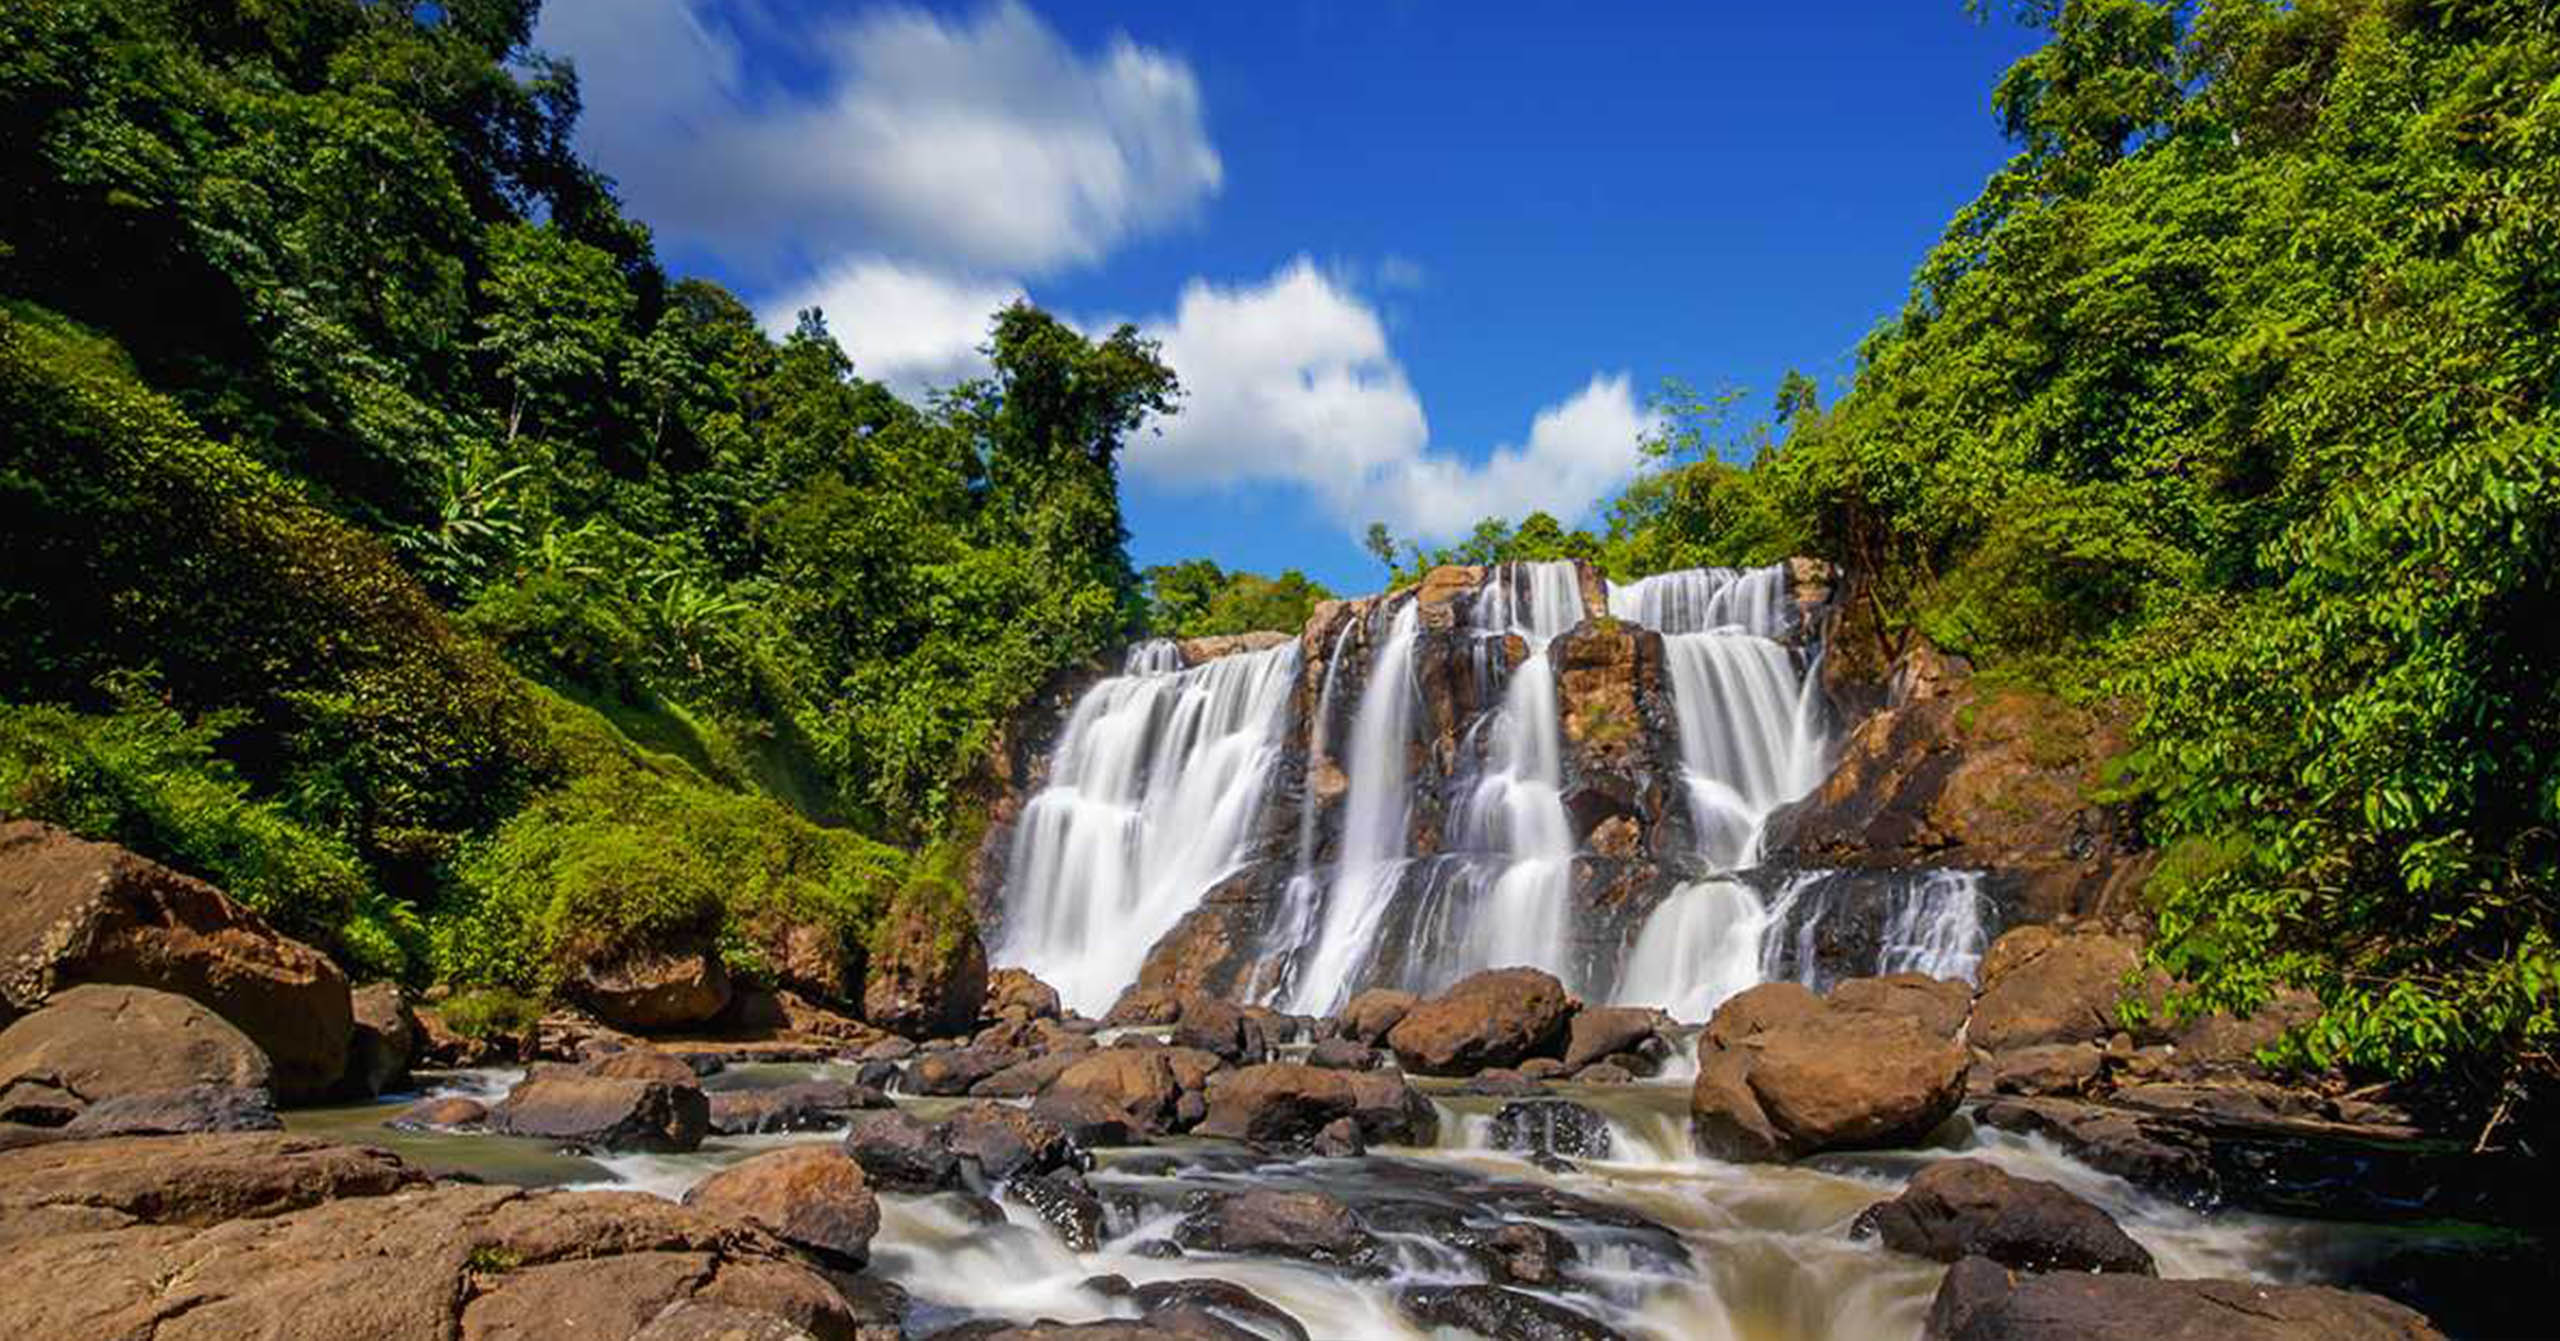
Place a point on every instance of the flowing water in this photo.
(1157, 782)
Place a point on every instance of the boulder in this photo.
(927, 976)
(1782, 1074)
(2046, 1068)
(1139, 1085)
(1551, 1129)
(642, 1063)
(1065, 1204)
(92, 1043)
(1145, 1007)
(1529, 1254)
(1219, 1028)
(75, 912)
(679, 987)
(900, 1152)
(1018, 992)
(384, 1037)
(380, 1256)
(1499, 1312)
(811, 1197)
(193, 1108)
(1961, 1208)
(430, 1114)
(1025, 1079)
(953, 1071)
(1269, 1222)
(1088, 1121)
(994, 1142)
(1373, 1013)
(1937, 1005)
(806, 1105)
(1497, 1018)
(1979, 1301)
(1598, 1031)
(1341, 1054)
(604, 1112)
(194, 1180)
(2045, 985)
(1290, 1104)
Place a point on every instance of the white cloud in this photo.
(983, 144)
(1292, 381)
(910, 327)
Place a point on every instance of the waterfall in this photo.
(1934, 922)
(1371, 863)
(1701, 945)
(1153, 797)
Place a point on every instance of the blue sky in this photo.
(1415, 263)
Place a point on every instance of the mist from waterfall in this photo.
(1154, 792)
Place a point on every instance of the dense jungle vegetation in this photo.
(392, 540)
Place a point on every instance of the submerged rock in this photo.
(75, 912)
(1064, 1202)
(1551, 1128)
(1961, 1208)
(1497, 1018)
(1980, 1301)
(1501, 1313)
(1783, 1074)
(452, 1111)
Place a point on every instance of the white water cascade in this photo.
(1154, 791)
(1376, 811)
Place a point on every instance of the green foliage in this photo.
(147, 778)
(490, 1012)
(1196, 599)
(1538, 538)
(2232, 395)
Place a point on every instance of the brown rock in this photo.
(92, 1043)
(1961, 1208)
(1290, 1104)
(194, 1108)
(1598, 1031)
(927, 976)
(1001, 1141)
(1937, 1005)
(451, 1111)
(1373, 1013)
(1267, 1222)
(384, 1037)
(679, 987)
(1973, 1305)
(811, 1197)
(2043, 985)
(1493, 1019)
(1144, 1006)
(74, 912)
(1138, 1084)
(1783, 1074)
(2047, 1068)
(1013, 991)
(77, 1186)
(604, 1112)
(641, 1063)
(901, 1152)
(807, 1105)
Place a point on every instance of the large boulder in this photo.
(1373, 1013)
(900, 1152)
(1019, 992)
(1599, 1032)
(353, 1247)
(79, 1186)
(995, 1142)
(1783, 1074)
(1961, 1208)
(805, 1105)
(1140, 1085)
(1270, 1222)
(191, 1108)
(2043, 984)
(681, 986)
(1500, 1017)
(1289, 1103)
(73, 912)
(811, 1197)
(927, 976)
(95, 1043)
(1980, 1301)
(604, 1112)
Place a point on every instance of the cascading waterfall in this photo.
(1158, 780)
(1376, 814)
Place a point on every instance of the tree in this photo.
(553, 327)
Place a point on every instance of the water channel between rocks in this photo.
(1666, 1244)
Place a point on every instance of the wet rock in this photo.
(74, 912)
(1340, 1139)
(1532, 1255)
(2044, 985)
(643, 1063)
(1026, 1078)
(808, 1105)
(1503, 1083)
(1961, 1208)
(1500, 1313)
(1373, 1013)
(1146, 1008)
(999, 1141)
(1341, 1054)
(811, 1197)
(679, 986)
(383, 1038)
(1598, 1031)
(1981, 1302)
(1017, 992)
(1289, 1104)
(195, 1108)
(1605, 1073)
(77, 1186)
(1556, 1128)
(1270, 1222)
(93, 1043)
(1542, 1069)
(1493, 1019)
(1065, 1204)
(1219, 1028)
(1175, 1302)
(954, 1071)
(1783, 1074)
(2151, 1154)
(890, 1049)
(1088, 1121)
(926, 979)
(1143, 1086)
(603, 1112)
(429, 1114)
(2046, 1068)
(900, 1152)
